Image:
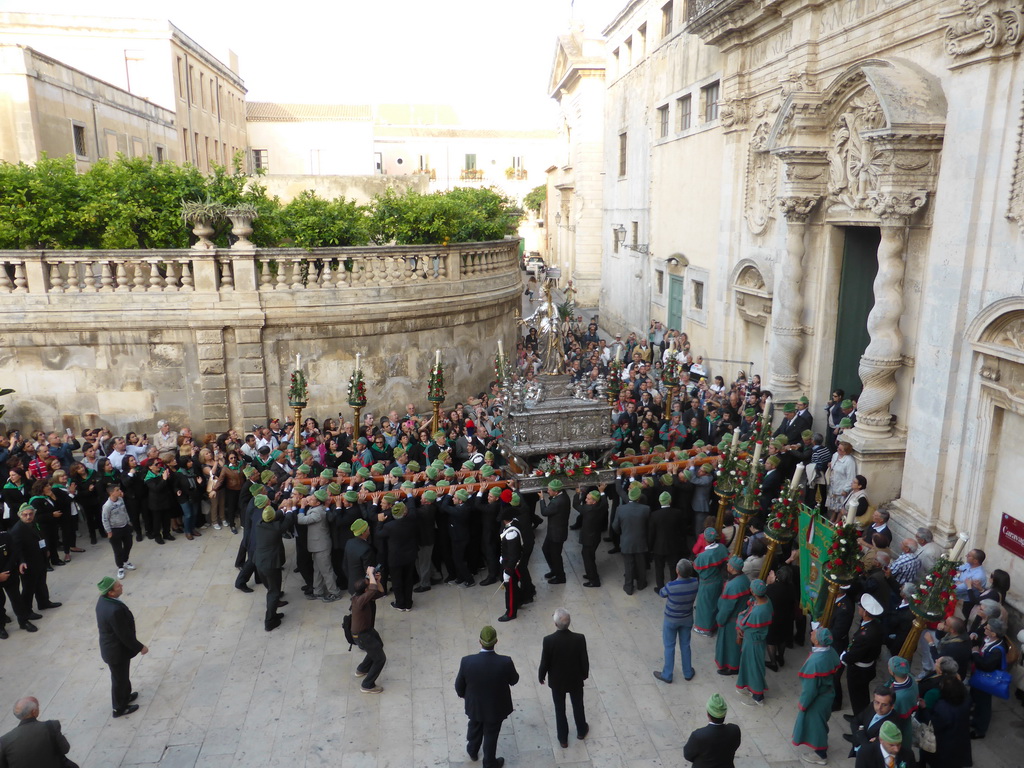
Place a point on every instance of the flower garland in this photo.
(356, 390)
(569, 465)
(670, 373)
(782, 522)
(614, 378)
(297, 394)
(436, 393)
(935, 590)
(843, 556)
(729, 475)
(751, 472)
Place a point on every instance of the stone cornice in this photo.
(983, 29)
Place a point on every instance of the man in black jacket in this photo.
(426, 519)
(666, 538)
(268, 557)
(399, 534)
(556, 509)
(33, 744)
(862, 655)
(118, 644)
(27, 543)
(489, 510)
(714, 745)
(10, 580)
(865, 725)
(485, 681)
(593, 509)
(359, 553)
(564, 662)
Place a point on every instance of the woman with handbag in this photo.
(989, 677)
(947, 714)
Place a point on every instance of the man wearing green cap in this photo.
(752, 630)
(710, 568)
(555, 506)
(484, 681)
(666, 536)
(731, 603)
(890, 751)
(714, 745)
(790, 426)
(359, 553)
(593, 519)
(631, 520)
(489, 512)
(268, 556)
(398, 535)
(312, 514)
(817, 693)
(904, 686)
(426, 520)
(118, 644)
(458, 508)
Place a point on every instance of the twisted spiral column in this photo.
(787, 343)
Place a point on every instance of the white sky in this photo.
(489, 58)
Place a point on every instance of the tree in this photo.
(535, 199)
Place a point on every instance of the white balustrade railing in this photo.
(281, 269)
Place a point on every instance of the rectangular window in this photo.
(202, 90)
(622, 154)
(628, 56)
(615, 240)
(698, 294)
(663, 121)
(160, 153)
(667, 13)
(261, 159)
(138, 147)
(181, 78)
(424, 162)
(684, 108)
(616, 68)
(111, 141)
(191, 84)
(641, 41)
(470, 163)
(184, 142)
(635, 233)
(660, 277)
(78, 133)
(710, 94)
(210, 159)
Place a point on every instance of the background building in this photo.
(48, 107)
(835, 191)
(156, 61)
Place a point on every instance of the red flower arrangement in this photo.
(436, 393)
(935, 590)
(569, 465)
(783, 520)
(842, 560)
(297, 394)
(356, 390)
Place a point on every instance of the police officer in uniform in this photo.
(861, 656)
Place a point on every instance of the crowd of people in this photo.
(394, 506)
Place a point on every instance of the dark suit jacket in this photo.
(870, 756)
(359, 554)
(118, 642)
(713, 746)
(34, 744)
(268, 552)
(556, 510)
(401, 537)
(862, 738)
(25, 545)
(666, 532)
(485, 681)
(593, 519)
(564, 661)
(631, 525)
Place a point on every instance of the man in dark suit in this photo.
(790, 426)
(10, 582)
(864, 726)
(118, 644)
(485, 681)
(714, 745)
(862, 655)
(556, 509)
(268, 556)
(30, 556)
(889, 750)
(666, 537)
(564, 662)
(33, 744)
(631, 524)
(593, 509)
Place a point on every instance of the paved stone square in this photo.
(216, 691)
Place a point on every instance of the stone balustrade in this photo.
(276, 269)
(212, 342)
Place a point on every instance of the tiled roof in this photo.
(272, 112)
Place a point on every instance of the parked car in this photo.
(535, 266)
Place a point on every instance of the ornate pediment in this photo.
(980, 29)
(753, 294)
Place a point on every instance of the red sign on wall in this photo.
(1011, 535)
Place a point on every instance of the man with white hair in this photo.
(928, 551)
(33, 744)
(165, 441)
(565, 664)
(905, 568)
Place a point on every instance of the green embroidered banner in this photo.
(816, 534)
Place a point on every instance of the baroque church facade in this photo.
(830, 193)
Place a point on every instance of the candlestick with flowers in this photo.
(782, 523)
(298, 396)
(748, 500)
(614, 381)
(841, 566)
(502, 370)
(357, 395)
(929, 600)
(670, 378)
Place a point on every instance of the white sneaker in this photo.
(216, 526)
(120, 573)
(129, 567)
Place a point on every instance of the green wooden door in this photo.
(675, 302)
(856, 298)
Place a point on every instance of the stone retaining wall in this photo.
(209, 338)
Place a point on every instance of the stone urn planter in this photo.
(242, 217)
(203, 216)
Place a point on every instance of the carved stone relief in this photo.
(854, 162)
(753, 300)
(984, 24)
(762, 182)
(1015, 211)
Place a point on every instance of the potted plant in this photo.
(202, 215)
(242, 216)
